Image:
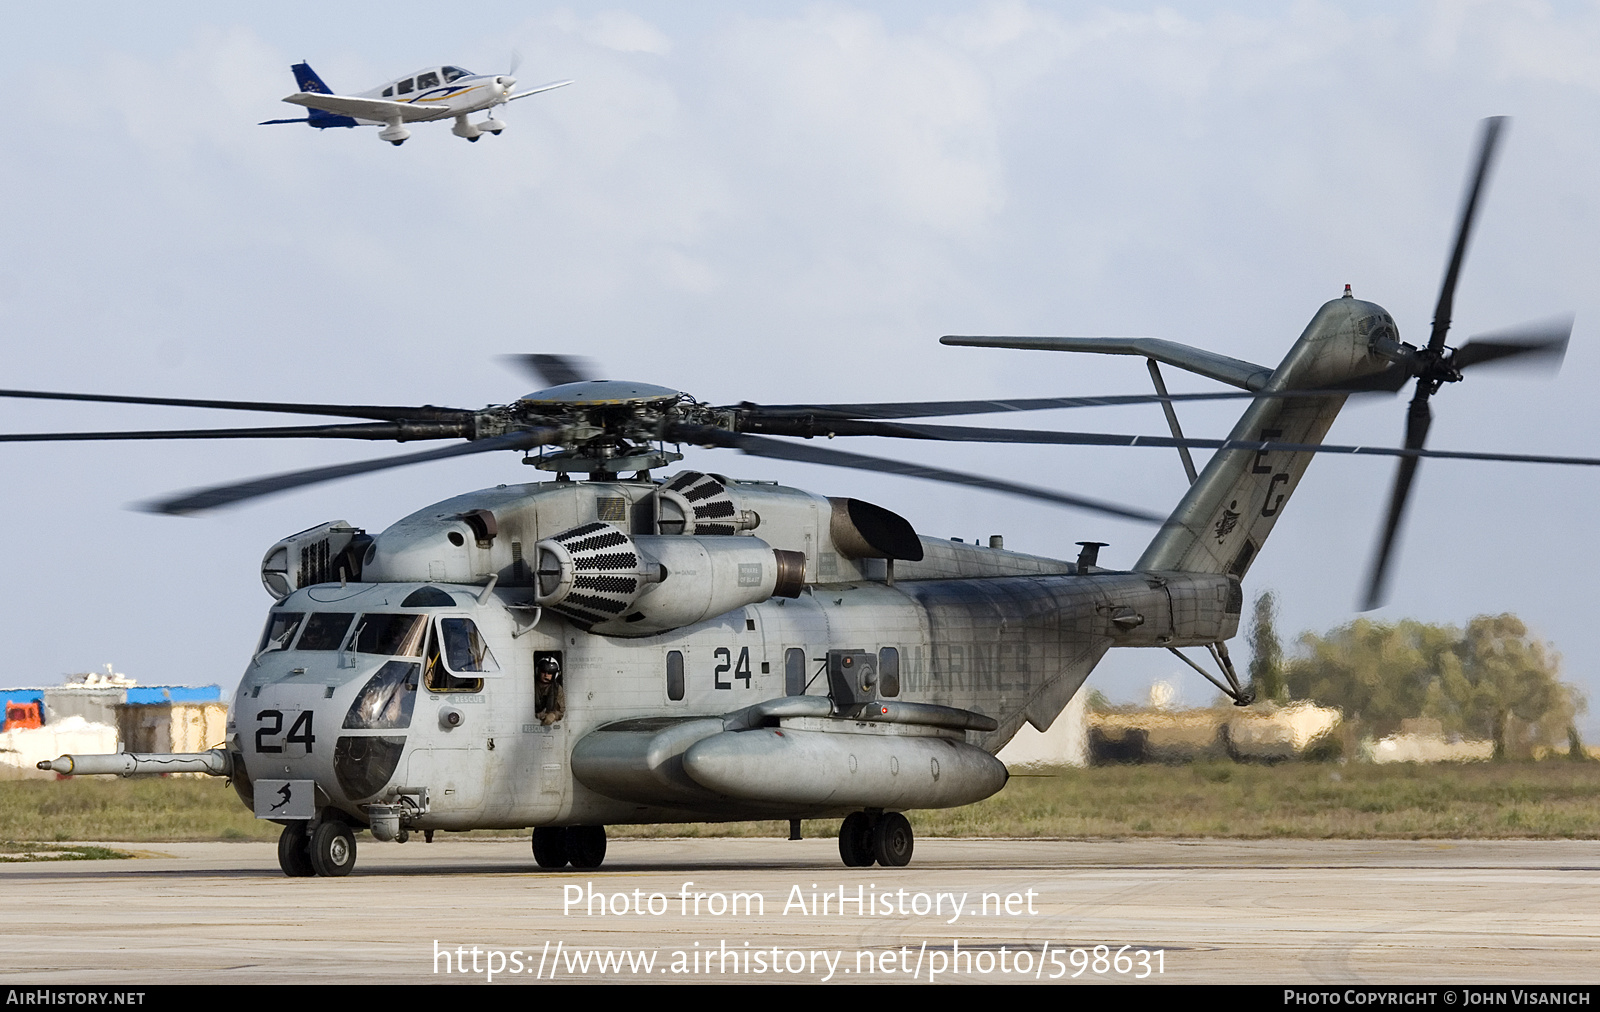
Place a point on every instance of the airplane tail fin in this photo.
(1223, 520)
(309, 83)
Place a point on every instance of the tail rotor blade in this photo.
(1418, 419)
(1488, 145)
(1533, 344)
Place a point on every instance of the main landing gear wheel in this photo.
(855, 840)
(294, 854)
(333, 849)
(586, 846)
(892, 840)
(550, 847)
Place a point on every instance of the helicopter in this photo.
(621, 648)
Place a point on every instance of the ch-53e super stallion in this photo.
(571, 654)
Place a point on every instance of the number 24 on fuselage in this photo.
(433, 94)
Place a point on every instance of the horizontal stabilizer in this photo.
(1232, 371)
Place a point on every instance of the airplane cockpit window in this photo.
(435, 674)
(386, 701)
(452, 74)
(404, 87)
(428, 80)
(388, 92)
(325, 630)
(465, 651)
(281, 627)
(394, 635)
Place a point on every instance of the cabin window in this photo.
(889, 672)
(388, 92)
(674, 674)
(464, 648)
(281, 627)
(325, 630)
(393, 635)
(452, 74)
(404, 87)
(428, 80)
(794, 672)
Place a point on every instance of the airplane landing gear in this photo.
(294, 854)
(550, 847)
(586, 846)
(885, 838)
(333, 849)
(580, 846)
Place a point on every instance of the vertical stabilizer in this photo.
(1221, 524)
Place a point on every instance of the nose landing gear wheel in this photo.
(855, 841)
(586, 846)
(333, 849)
(550, 846)
(892, 840)
(294, 855)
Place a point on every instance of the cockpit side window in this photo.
(388, 92)
(465, 651)
(325, 630)
(435, 674)
(453, 74)
(404, 87)
(281, 627)
(392, 635)
(428, 80)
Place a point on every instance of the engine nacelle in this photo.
(616, 584)
(323, 554)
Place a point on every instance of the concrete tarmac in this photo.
(1328, 913)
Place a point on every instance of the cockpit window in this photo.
(386, 701)
(452, 74)
(436, 675)
(404, 87)
(465, 651)
(281, 627)
(428, 80)
(325, 630)
(394, 635)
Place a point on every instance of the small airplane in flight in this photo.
(433, 94)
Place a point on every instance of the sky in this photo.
(784, 202)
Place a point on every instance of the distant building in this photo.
(105, 711)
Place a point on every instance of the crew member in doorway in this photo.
(549, 698)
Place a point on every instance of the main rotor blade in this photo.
(426, 412)
(941, 409)
(554, 370)
(1538, 344)
(400, 432)
(1489, 142)
(225, 495)
(1418, 419)
(975, 434)
(757, 446)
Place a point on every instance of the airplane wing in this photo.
(377, 109)
(535, 91)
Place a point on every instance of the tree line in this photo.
(1491, 680)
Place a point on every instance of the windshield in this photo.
(325, 630)
(386, 701)
(281, 626)
(454, 73)
(394, 635)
